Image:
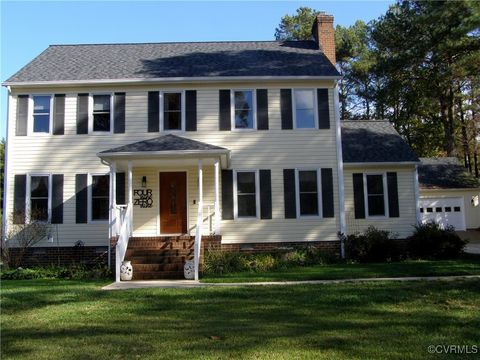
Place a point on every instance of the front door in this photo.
(173, 203)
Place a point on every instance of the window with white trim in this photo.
(375, 194)
(246, 194)
(39, 197)
(308, 192)
(304, 108)
(100, 197)
(243, 109)
(173, 114)
(101, 112)
(41, 113)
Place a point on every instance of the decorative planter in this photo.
(126, 271)
(189, 270)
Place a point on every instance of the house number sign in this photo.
(142, 198)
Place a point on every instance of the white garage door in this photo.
(445, 211)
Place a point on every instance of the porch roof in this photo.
(167, 146)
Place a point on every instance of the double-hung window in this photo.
(304, 109)
(375, 194)
(308, 192)
(39, 197)
(247, 194)
(172, 111)
(101, 113)
(41, 113)
(243, 109)
(100, 197)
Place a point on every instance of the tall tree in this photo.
(296, 27)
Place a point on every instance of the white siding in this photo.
(273, 149)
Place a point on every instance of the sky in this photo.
(29, 27)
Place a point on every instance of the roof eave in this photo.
(139, 81)
(381, 163)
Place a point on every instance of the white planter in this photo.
(126, 271)
(189, 270)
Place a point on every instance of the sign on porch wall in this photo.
(142, 198)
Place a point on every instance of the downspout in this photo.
(341, 185)
(5, 173)
(417, 195)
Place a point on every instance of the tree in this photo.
(296, 27)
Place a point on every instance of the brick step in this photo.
(157, 267)
(162, 245)
(156, 252)
(156, 275)
(158, 259)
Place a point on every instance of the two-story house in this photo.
(169, 146)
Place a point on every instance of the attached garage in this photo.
(448, 194)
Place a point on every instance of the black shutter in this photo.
(286, 108)
(289, 193)
(225, 112)
(262, 109)
(119, 113)
(19, 193)
(153, 111)
(190, 110)
(393, 208)
(57, 199)
(22, 115)
(265, 194)
(59, 114)
(82, 114)
(358, 196)
(327, 193)
(81, 199)
(227, 194)
(323, 110)
(120, 188)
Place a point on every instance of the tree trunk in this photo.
(475, 162)
(466, 149)
(446, 114)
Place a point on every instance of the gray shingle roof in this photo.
(168, 142)
(167, 60)
(373, 141)
(444, 173)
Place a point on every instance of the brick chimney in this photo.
(324, 34)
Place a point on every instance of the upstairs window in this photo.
(41, 114)
(376, 195)
(172, 111)
(101, 113)
(100, 197)
(39, 191)
(243, 112)
(304, 108)
(247, 194)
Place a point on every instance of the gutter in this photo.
(377, 164)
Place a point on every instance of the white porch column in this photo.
(198, 232)
(112, 229)
(217, 203)
(130, 190)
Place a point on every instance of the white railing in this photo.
(125, 221)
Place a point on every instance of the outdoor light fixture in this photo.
(144, 181)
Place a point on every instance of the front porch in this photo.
(170, 201)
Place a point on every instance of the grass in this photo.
(466, 266)
(55, 319)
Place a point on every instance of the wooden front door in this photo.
(173, 203)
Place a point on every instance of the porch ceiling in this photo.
(167, 150)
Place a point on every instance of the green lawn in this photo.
(466, 266)
(53, 319)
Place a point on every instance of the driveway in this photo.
(473, 247)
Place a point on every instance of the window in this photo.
(304, 109)
(429, 209)
(308, 193)
(41, 113)
(247, 199)
(172, 111)
(456, 209)
(100, 197)
(101, 113)
(243, 112)
(39, 194)
(375, 195)
(438, 209)
(448, 209)
(421, 210)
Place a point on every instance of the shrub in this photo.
(372, 246)
(429, 241)
(74, 272)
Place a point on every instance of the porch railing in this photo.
(125, 221)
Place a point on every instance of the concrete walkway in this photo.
(473, 237)
(186, 284)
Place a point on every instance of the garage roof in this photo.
(444, 173)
